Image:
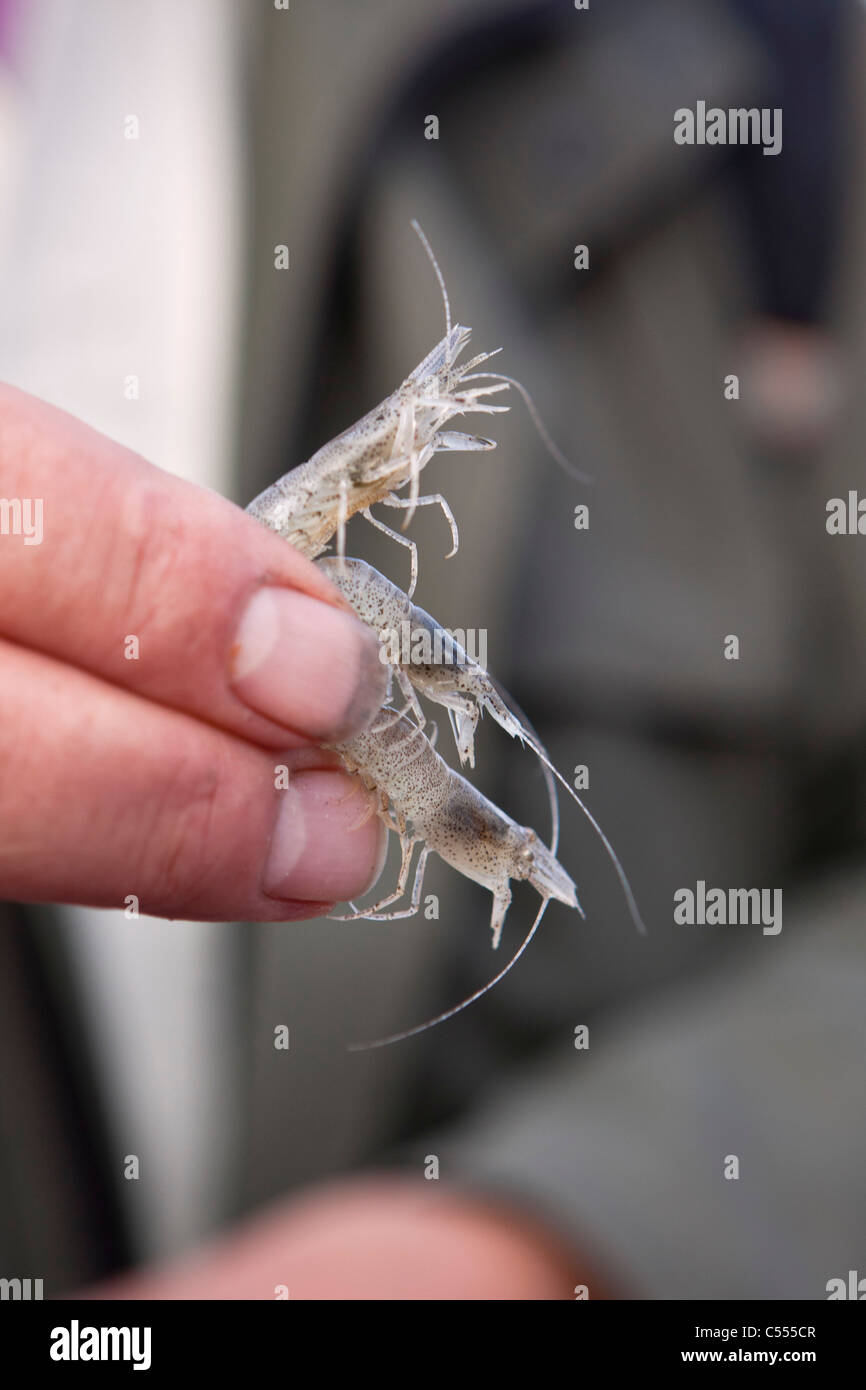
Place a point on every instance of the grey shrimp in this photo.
(425, 801)
(384, 451)
(457, 682)
(389, 447)
(449, 817)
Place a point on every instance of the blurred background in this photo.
(151, 160)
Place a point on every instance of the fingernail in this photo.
(319, 852)
(307, 665)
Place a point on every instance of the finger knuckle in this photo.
(181, 863)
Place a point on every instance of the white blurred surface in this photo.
(122, 257)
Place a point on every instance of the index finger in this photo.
(169, 590)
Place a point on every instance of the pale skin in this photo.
(375, 1238)
(148, 769)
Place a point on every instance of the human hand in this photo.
(161, 655)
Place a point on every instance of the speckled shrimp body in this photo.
(457, 681)
(433, 805)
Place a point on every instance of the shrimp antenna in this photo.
(547, 768)
(422, 237)
(543, 433)
(530, 737)
(458, 1008)
(634, 910)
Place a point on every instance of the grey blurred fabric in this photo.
(704, 1041)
